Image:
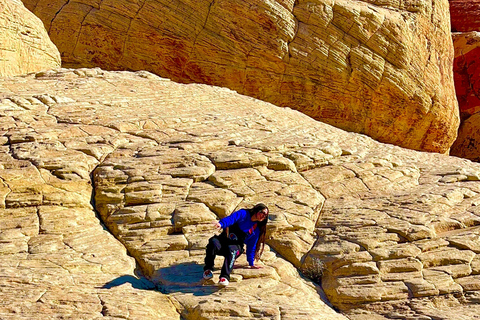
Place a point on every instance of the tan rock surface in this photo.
(392, 232)
(382, 68)
(24, 43)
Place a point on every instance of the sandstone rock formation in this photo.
(24, 44)
(467, 144)
(382, 68)
(467, 71)
(465, 15)
(467, 83)
(466, 38)
(391, 233)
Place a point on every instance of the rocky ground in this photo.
(109, 182)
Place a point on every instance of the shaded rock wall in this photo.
(392, 233)
(466, 67)
(467, 77)
(24, 44)
(467, 71)
(374, 67)
(465, 15)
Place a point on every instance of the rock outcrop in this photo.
(24, 43)
(382, 68)
(465, 15)
(466, 39)
(467, 71)
(390, 233)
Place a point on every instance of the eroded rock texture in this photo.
(390, 233)
(377, 67)
(24, 44)
(467, 71)
(465, 15)
(58, 129)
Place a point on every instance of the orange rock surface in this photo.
(465, 16)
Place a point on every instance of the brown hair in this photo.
(262, 226)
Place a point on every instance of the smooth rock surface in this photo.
(382, 68)
(390, 233)
(24, 43)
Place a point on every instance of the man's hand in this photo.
(256, 266)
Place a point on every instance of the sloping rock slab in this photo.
(378, 225)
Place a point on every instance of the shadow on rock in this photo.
(184, 277)
(137, 283)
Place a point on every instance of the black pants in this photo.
(221, 246)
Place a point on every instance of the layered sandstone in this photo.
(382, 68)
(24, 43)
(390, 233)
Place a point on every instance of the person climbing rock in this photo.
(245, 226)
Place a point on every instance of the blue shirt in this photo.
(244, 221)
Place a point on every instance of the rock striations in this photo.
(391, 233)
(24, 44)
(382, 68)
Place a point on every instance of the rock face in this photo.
(25, 45)
(467, 71)
(465, 15)
(468, 143)
(465, 18)
(390, 233)
(382, 68)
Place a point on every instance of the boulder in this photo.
(467, 144)
(382, 68)
(25, 45)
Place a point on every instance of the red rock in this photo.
(466, 69)
(465, 15)
(467, 144)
